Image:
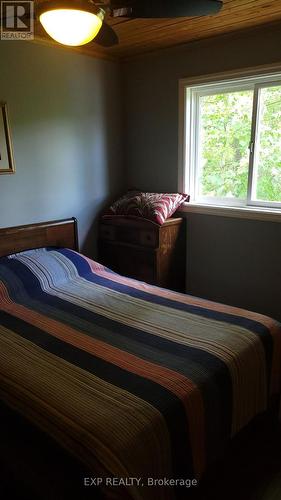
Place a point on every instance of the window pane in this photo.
(225, 133)
(267, 185)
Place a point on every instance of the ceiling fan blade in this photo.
(106, 37)
(166, 8)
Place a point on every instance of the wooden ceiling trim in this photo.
(187, 35)
(128, 35)
(135, 52)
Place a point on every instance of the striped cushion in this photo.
(156, 207)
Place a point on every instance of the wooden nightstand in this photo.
(143, 250)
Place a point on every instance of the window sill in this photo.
(252, 213)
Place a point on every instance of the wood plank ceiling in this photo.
(144, 35)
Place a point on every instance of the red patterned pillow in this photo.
(156, 207)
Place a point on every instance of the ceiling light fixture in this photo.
(71, 23)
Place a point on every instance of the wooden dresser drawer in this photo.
(107, 232)
(144, 250)
(148, 238)
(139, 263)
(132, 235)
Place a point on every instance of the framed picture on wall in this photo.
(7, 164)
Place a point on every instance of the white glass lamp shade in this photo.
(71, 26)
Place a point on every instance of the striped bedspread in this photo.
(134, 380)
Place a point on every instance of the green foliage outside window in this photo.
(226, 121)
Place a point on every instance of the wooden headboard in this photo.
(59, 233)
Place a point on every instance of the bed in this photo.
(139, 384)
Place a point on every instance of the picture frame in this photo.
(7, 163)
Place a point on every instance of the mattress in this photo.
(141, 384)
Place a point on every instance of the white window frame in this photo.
(189, 122)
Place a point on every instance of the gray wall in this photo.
(230, 260)
(66, 123)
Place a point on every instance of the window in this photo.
(232, 142)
